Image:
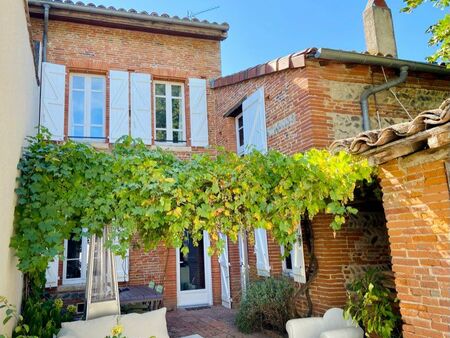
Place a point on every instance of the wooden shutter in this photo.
(262, 253)
(225, 273)
(243, 260)
(140, 107)
(118, 105)
(298, 260)
(51, 274)
(52, 99)
(122, 265)
(199, 112)
(254, 118)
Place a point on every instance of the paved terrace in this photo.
(217, 322)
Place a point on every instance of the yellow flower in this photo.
(116, 330)
(72, 309)
(59, 303)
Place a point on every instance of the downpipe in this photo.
(364, 100)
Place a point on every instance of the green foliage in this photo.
(440, 31)
(42, 318)
(372, 306)
(71, 188)
(10, 312)
(267, 304)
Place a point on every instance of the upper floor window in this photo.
(87, 106)
(169, 112)
(240, 134)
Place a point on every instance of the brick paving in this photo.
(217, 322)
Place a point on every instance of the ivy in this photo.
(71, 188)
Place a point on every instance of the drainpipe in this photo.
(375, 89)
(44, 36)
(44, 59)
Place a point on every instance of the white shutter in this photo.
(122, 267)
(298, 260)
(243, 260)
(225, 273)
(118, 104)
(140, 107)
(52, 99)
(199, 112)
(254, 118)
(51, 274)
(262, 253)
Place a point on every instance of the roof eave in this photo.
(129, 20)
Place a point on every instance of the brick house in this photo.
(109, 72)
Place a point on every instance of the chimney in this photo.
(379, 29)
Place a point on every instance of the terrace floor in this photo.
(216, 321)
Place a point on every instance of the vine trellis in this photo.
(71, 188)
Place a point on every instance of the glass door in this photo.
(194, 274)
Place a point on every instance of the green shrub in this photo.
(373, 306)
(267, 304)
(43, 317)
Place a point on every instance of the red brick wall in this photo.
(417, 203)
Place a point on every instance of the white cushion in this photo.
(135, 325)
(349, 332)
(144, 325)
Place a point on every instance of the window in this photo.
(240, 134)
(169, 112)
(75, 260)
(287, 262)
(87, 107)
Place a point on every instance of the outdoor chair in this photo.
(331, 325)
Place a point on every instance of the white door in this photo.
(194, 285)
(225, 273)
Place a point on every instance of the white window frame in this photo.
(286, 271)
(169, 129)
(84, 261)
(240, 148)
(87, 108)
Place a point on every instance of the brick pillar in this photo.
(417, 206)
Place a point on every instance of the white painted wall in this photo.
(19, 94)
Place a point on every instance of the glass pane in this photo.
(78, 82)
(73, 269)
(160, 112)
(288, 261)
(240, 122)
(241, 137)
(96, 131)
(161, 135)
(97, 83)
(177, 136)
(176, 91)
(73, 249)
(160, 89)
(97, 104)
(192, 268)
(78, 107)
(78, 131)
(176, 114)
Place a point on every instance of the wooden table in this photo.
(140, 294)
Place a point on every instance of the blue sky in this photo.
(266, 29)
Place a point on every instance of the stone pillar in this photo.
(379, 29)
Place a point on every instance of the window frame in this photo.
(240, 148)
(169, 119)
(87, 108)
(84, 262)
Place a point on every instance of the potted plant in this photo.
(372, 306)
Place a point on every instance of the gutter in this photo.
(403, 65)
(44, 58)
(129, 15)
